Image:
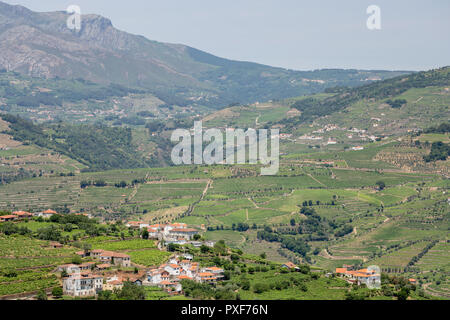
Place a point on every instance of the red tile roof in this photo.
(22, 213)
(184, 230)
(114, 254)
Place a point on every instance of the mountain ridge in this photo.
(41, 45)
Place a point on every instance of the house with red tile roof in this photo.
(8, 217)
(115, 258)
(103, 266)
(173, 269)
(363, 276)
(289, 265)
(205, 277)
(22, 214)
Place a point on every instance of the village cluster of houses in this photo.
(331, 141)
(83, 280)
(169, 275)
(20, 215)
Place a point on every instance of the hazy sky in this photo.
(295, 34)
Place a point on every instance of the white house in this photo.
(173, 269)
(82, 285)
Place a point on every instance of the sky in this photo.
(293, 34)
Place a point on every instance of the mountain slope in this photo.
(393, 106)
(40, 44)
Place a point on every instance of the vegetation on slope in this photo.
(98, 146)
(312, 108)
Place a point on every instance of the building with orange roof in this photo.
(8, 217)
(363, 276)
(341, 270)
(46, 214)
(170, 286)
(113, 285)
(215, 270)
(103, 266)
(22, 214)
(289, 265)
(205, 277)
(115, 258)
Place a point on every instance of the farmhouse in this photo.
(205, 277)
(69, 268)
(115, 258)
(137, 224)
(46, 214)
(362, 276)
(289, 265)
(177, 233)
(82, 285)
(56, 245)
(113, 285)
(184, 233)
(22, 214)
(107, 257)
(215, 270)
(8, 217)
(87, 266)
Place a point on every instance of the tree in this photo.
(105, 295)
(131, 291)
(381, 185)
(57, 292)
(403, 294)
(9, 228)
(41, 295)
(220, 247)
(145, 234)
(173, 247)
(197, 237)
(204, 249)
(293, 222)
(263, 255)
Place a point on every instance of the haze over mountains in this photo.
(41, 45)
